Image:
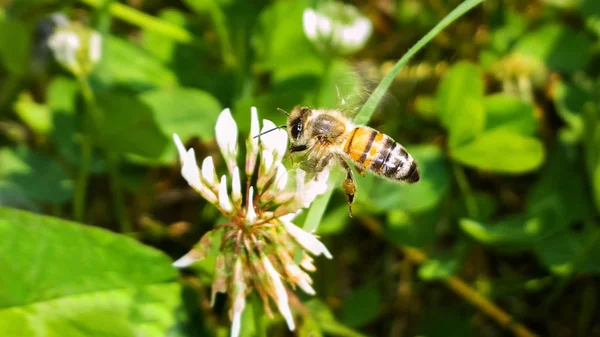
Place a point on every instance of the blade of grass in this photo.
(143, 20)
(315, 214)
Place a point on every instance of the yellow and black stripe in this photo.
(380, 154)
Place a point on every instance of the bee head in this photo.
(296, 122)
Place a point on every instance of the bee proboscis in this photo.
(326, 135)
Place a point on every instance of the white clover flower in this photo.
(75, 47)
(259, 240)
(336, 28)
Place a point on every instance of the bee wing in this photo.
(354, 89)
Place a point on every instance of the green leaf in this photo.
(591, 145)
(36, 116)
(15, 45)
(568, 252)
(379, 195)
(123, 63)
(460, 102)
(38, 177)
(326, 321)
(361, 306)
(161, 46)
(334, 222)
(280, 44)
(128, 126)
(557, 201)
(509, 113)
(501, 151)
(559, 46)
(439, 267)
(507, 26)
(569, 99)
(195, 114)
(516, 231)
(13, 196)
(412, 229)
(67, 279)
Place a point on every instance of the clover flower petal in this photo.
(226, 133)
(307, 240)
(281, 297)
(274, 141)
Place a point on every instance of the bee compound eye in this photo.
(296, 127)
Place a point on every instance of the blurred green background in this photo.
(500, 110)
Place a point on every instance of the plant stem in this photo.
(457, 285)
(10, 85)
(260, 328)
(86, 151)
(112, 163)
(465, 189)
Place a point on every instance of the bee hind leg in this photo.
(348, 185)
(360, 170)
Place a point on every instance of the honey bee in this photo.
(325, 135)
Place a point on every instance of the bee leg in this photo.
(348, 184)
(321, 164)
(359, 170)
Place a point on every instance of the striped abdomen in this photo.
(380, 154)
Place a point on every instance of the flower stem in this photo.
(465, 189)
(112, 163)
(86, 151)
(260, 328)
(457, 285)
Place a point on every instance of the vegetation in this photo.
(498, 102)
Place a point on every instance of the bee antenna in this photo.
(273, 129)
(285, 112)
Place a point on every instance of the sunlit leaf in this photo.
(510, 113)
(561, 47)
(15, 45)
(460, 102)
(440, 266)
(516, 231)
(37, 116)
(73, 280)
(123, 63)
(501, 151)
(185, 111)
(128, 126)
(280, 43)
(163, 47)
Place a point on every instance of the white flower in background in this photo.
(75, 47)
(260, 240)
(337, 28)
